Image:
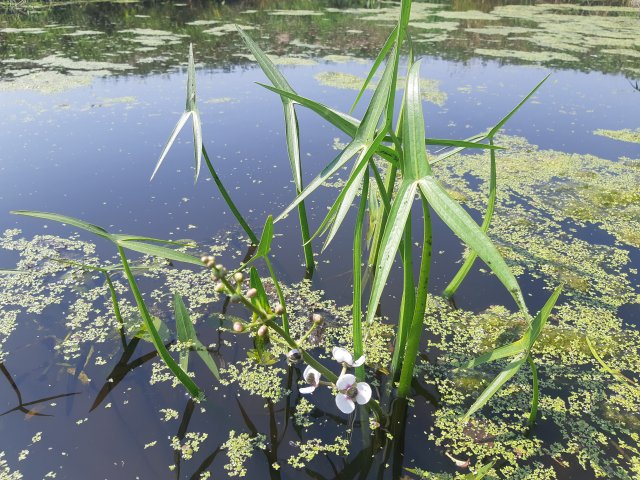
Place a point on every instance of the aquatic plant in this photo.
(391, 168)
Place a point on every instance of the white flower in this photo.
(351, 392)
(312, 377)
(342, 356)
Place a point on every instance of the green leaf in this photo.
(65, 219)
(158, 251)
(506, 118)
(197, 142)
(390, 241)
(376, 64)
(461, 223)
(342, 121)
(342, 158)
(191, 110)
(159, 326)
(495, 385)
(528, 339)
(264, 247)
(260, 299)
(415, 164)
(190, 104)
(183, 328)
(172, 138)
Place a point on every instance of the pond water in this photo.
(89, 93)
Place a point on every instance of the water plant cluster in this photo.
(391, 170)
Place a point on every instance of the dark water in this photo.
(88, 152)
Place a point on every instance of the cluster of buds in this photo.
(233, 286)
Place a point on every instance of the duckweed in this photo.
(625, 135)
(239, 449)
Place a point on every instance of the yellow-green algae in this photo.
(625, 135)
(545, 200)
(239, 449)
(314, 447)
(5, 471)
(429, 88)
(591, 412)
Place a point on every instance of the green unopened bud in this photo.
(238, 327)
(262, 331)
(252, 292)
(317, 318)
(238, 276)
(278, 310)
(219, 287)
(235, 298)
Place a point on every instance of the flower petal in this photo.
(344, 403)
(358, 362)
(364, 393)
(307, 389)
(340, 355)
(311, 376)
(345, 381)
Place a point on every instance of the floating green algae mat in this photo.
(625, 135)
(545, 197)
(429, 88)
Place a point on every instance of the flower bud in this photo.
(220, 268)
(252, 292)
(238, 276)
(262, 331)
(278, 310)
(219, 287)
(238, 327)
(294, 356)
(235, 298)
(208, 260)
(317, 318)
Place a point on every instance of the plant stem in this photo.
(357, 276)
(471, 258)
(306, 237)
(227, 199)
(413, 339)
(272, 273)
(536, 393)
(407, 305)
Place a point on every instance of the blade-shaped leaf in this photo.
(381, 56)
(260, 299)
(342, 158)
(172, 138)
(291, 120)
(264, 247)
(389, 244)
(344, 122)
(461, 223)
(495, 385)
(415, 163)
(341, 206)
(155, 337)
(65, 219)
(183, 321)
(190, 334)
(506, 118)
(197, 142)
(528, 339)
(158, 251)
